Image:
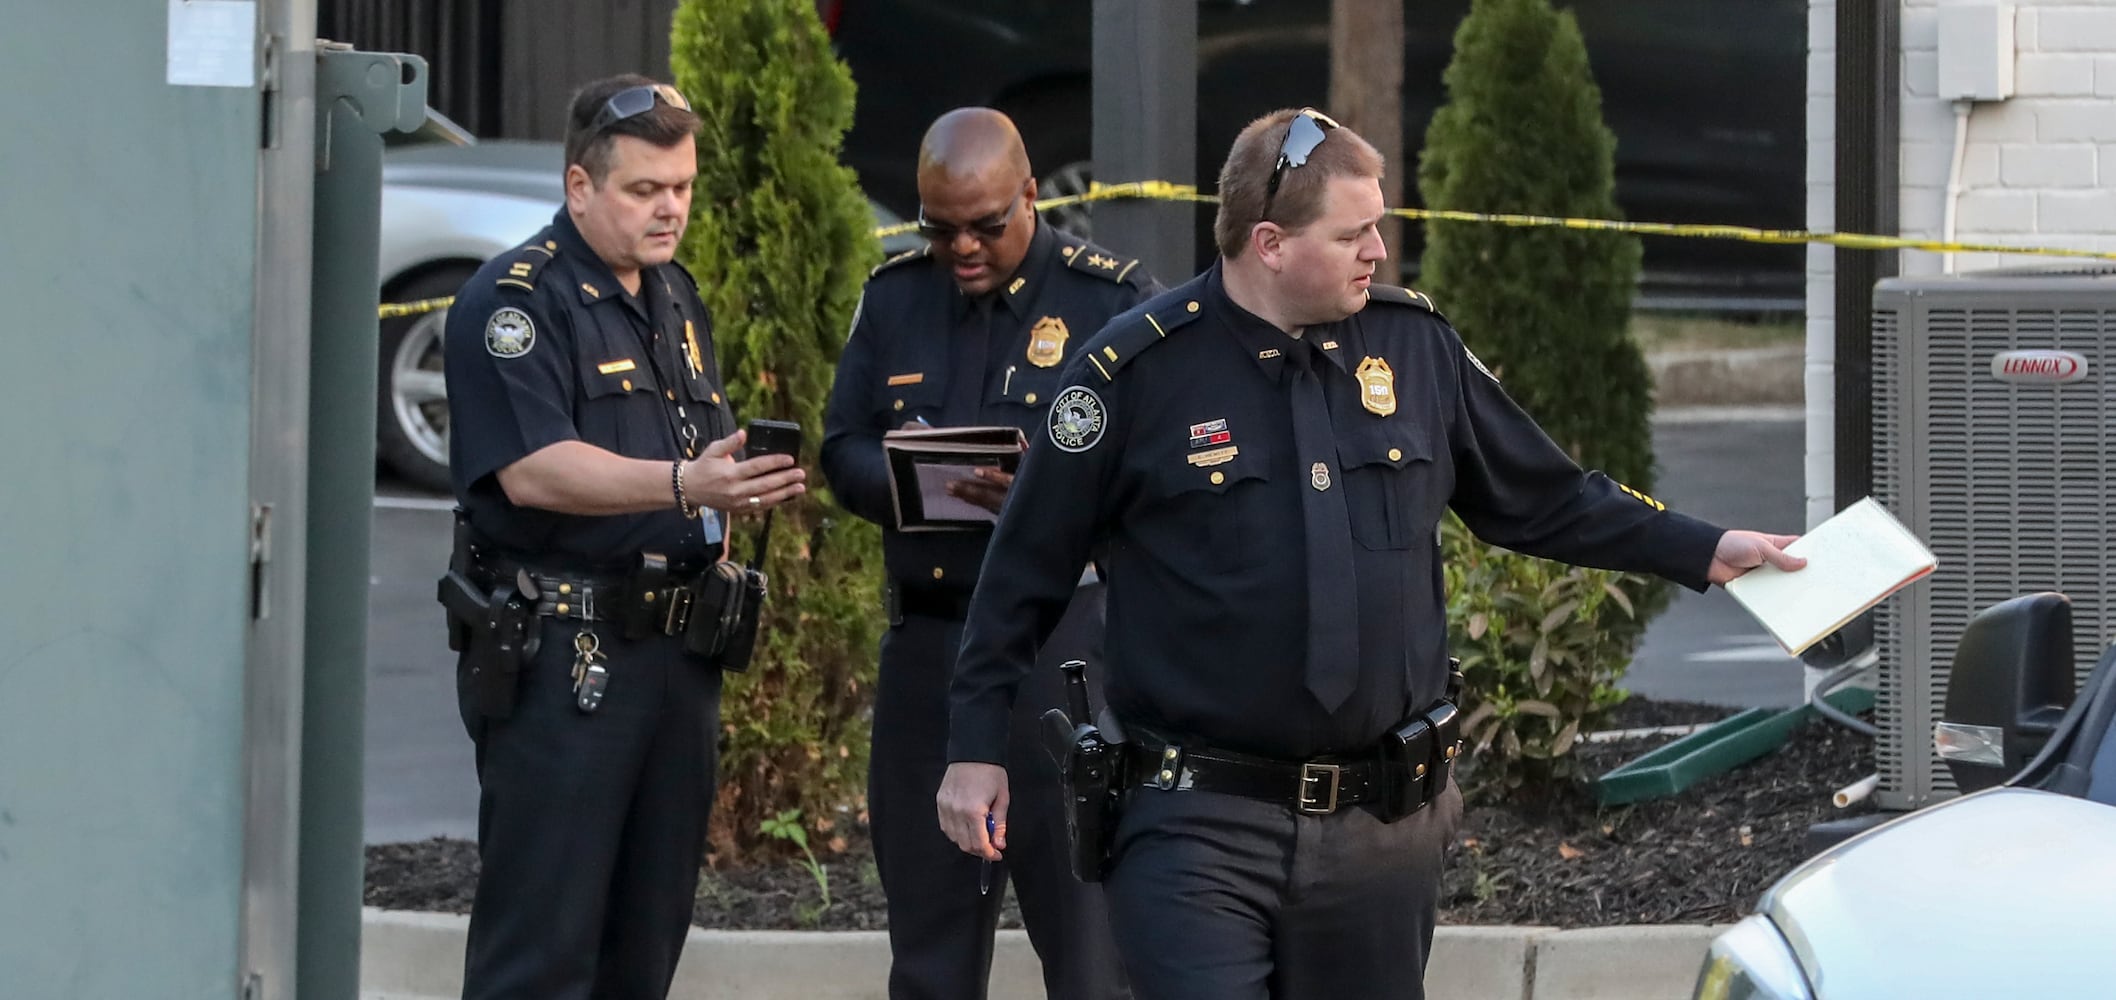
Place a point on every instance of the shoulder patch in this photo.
(1110, 353)
(1088, 258)
(510, 333)
(919, 253)
(527, 261)
(1398, 295)
(1077, 419)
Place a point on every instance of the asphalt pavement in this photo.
(1737, 468)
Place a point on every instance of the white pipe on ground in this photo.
(1856, 792)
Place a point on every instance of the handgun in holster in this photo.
(1090, 773)
(495, 628)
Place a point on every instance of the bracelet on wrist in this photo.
(683, 503)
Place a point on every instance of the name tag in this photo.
(613, 367)
(909, 378)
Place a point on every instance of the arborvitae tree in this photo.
(1547, 309)
(780, 240)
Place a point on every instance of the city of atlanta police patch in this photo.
(509, 333)
(1076, 419)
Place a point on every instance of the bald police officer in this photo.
(970, 330)
(589, 431)
(1266, 452)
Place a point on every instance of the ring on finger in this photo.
(756, 502)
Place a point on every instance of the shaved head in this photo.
(976, 196)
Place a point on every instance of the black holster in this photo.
(1090, 775)
(495, 629)
(724, 607)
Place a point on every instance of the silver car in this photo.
(448, 203)
(2006, 892)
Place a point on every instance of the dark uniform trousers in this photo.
(594, 912)
(1220, 897)
(940, 927)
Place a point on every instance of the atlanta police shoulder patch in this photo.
(1076, 419)
(1473, 359)
(510, 333)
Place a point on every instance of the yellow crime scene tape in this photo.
(1170, 191)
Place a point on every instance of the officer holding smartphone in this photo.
(594, 460)
(970, 330)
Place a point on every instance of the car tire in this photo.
(411, 417)
(1055, 127)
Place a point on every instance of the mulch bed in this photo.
(1699, 857)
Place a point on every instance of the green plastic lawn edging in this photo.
(1715, 749)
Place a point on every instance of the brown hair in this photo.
(664, 126)
(1299, 201)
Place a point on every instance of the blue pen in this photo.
(984, 868)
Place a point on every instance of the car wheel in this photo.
(1055, 129)
(411, 425)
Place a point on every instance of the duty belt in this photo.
(1316, 787)
(604, 597)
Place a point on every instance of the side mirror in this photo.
(2009, 687)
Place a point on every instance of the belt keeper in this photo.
(1168, 768)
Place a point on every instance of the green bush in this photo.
(1542, 645)
(1547, 309)
(780, 239)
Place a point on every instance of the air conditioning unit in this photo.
(1994, 439)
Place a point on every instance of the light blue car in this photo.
(2006, 892)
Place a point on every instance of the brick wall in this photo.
(2039, 167)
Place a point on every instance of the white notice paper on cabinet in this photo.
(1854, 560)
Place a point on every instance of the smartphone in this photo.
(774, 437)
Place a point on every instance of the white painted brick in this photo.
(2048, 166)
(1821, 73)
(1995, 212)
(2039, 75)
(1929, 162)
(2082, 28)
(1919, 212)
(2105, 76)
(1927, 120)
(2091, 121)
(1820, 342)
(1921, 29)
(2024, 27)
(1821, 119)
(2078, 211)
(1822, 27)
(1919, 265)
(1821, 207)
(1821, 162)
(1821, 263)
(1921, 74)
(2008, 121)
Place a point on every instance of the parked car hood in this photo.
(2009, 892)
(529, 170)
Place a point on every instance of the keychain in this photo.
(590, 678)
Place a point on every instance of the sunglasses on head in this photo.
(1306, 132)
(984, 230)
(632, 102)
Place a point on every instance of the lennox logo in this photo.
(2044, 367)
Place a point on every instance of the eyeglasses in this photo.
(984, 231)
(634, 101)
(1302, 136)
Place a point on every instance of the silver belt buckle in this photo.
(1311, 775)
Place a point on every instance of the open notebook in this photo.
(1854, 559)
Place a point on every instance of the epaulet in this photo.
(919, 253)
(1402, 296)
(1146, 328)
(527, 262)
(1087, 258)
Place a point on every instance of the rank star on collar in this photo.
(1105, 263)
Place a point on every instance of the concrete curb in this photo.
(1744, 377)
(418, 956)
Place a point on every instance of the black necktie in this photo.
(966, 384)
(1333, 604)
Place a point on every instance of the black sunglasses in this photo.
(1306, 132)
(634, 101)
(984, 231)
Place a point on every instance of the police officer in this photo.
(970, 330)
(1266, 451)
(589, 432)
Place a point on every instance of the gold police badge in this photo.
(1377, 386)
(1047, 342)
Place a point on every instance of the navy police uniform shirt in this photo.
(920, 350)
(543, 346)
(1171, 442)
